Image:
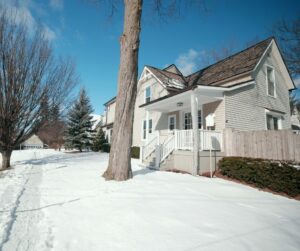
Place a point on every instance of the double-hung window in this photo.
(271, 87)
(147, 94)
(144, 129)
(273, 121)
(188, 120)
(172, 122)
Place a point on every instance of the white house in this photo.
(33, 142)
(108, 118)
(246, 91)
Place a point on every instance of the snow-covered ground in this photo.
(59, 201)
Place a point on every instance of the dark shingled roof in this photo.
(239, 63)
(170, 79)
(215, 74)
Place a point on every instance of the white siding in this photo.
(245, 107)
(157, 91)
(218, 108)
(110, 113)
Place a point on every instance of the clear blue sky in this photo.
(87, 34)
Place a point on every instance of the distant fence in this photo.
(277, 145)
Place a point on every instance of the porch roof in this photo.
(182, 100)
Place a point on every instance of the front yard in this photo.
(59, 201)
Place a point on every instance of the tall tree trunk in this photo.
(119, 166)
(5, 159)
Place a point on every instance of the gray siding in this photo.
(245, 107)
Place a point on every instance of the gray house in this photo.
(180, 118)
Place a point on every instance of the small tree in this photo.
(99, 141)
(53, 130)
(79, 124)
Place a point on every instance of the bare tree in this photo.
(288, 34)
(29, 72)
(119, 166)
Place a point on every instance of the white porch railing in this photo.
(167, 148)
(149, 147)
(208, 140)
(181, 140)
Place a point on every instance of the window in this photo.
(188, 120)
(271, 81)
(273, 121)
(144, 129)
(150, 126)
(172, 122)
(147, 94)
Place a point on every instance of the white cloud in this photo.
(56, 4)
(297, 82)
(20, 13)
(188, 62)
(48, 33)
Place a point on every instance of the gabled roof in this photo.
(240, 63)
(169, 79)
(234, 66)
(112, 100)
(173, 68)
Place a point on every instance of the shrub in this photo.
(278, 176)
(106, 148)
(135, 152)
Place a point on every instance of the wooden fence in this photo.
(277, 145)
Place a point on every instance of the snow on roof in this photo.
(96, 119)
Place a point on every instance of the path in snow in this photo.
(61, 202)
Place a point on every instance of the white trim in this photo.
(145, 91)
(263, 55)
(155, 77)
(267, 83)
(142, 133)
(172, 116)
(219, 88)
(274, 114)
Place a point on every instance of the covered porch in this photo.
(186, 122)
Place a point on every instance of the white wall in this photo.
(157, 91)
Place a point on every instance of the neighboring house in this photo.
(108, 118)
(246, 91)
(97, 121)
(295, 119)
(33, 142)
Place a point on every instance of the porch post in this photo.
(147, 126)
(194, 112)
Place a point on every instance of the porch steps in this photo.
(167, 164)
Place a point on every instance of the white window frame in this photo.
(202, 118)
(267, 82)
(145, 93)
(274, 114)
(169, 117)
(142, 134)
(147, 132)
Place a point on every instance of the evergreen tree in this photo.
(99, 141)
(79, 124)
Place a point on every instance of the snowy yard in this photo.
(59, 201)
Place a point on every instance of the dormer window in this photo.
(147, 94)
(271, 88)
